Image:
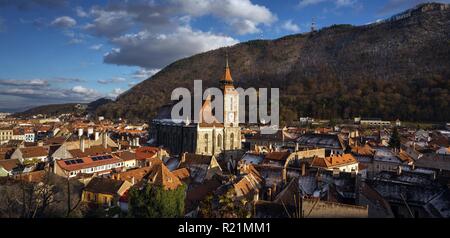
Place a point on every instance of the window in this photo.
(206, 143)
(232, 141)
(219, 141)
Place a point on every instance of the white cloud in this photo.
(96, 47)
(64, 22)
(45, 91)
(32, 82)
(143, 73)
(115, 93)
(290, 26)
(113, 80)
(242, 15)
(80, 12)
(149, 50)
(109, 23)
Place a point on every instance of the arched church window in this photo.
(219, 141)
(206, 143)
(232, 141)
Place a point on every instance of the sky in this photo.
(60, 51)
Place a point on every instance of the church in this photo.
(212, 138)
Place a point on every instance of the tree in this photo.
(394, 141)
(225, 206)
(156, 202)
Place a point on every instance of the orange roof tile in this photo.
(161, 176)
(334, 161)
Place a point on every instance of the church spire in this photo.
(227, 79)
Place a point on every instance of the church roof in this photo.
(227, 77)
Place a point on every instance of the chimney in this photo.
(160, 155)
(183, 157)
(117, 176)
(104, 140)
(136, 142)
(82, 145)
(296, 147)
(274, 189)
(284, 175)
(96, 135)
(30, 178)
(80, 132)
(40, 143)
(269, 194)
(132, 180)
(303, 169)
(90, 131)
(119, 144)
(399, 170)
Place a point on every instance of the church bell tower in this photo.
(232, 130)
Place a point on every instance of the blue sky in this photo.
(57, 51)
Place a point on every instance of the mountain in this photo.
(396, 68)
(50, 110)
(57, 109)
(92, 106)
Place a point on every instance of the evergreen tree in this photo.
(156, 202)
(394, 141)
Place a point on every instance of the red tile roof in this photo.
(334, 161)
(88, 162)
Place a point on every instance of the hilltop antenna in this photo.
(313, 25)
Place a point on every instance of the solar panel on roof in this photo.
(80, 161)
(94, 158)
(67, 162)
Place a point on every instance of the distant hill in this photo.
(57, 109)
(50, 110)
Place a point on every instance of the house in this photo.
(276, 158)
(201, 167)
(343, 163)
(31, 154)
(289, 201)
(128, 158)
(249, 184)
(443, 151)
(135, 176)
(413, 194)
(6, 134)
(18, 134)
(374, 122)
(182, 174)
(9, 167)
(279, 139)
(146, 153)
(99, 164)
(333, 144)
(438, 163)
(104, 191)
(161, 176)
(378, 206)
(29, 135)
(386, 160)
(82, 147)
